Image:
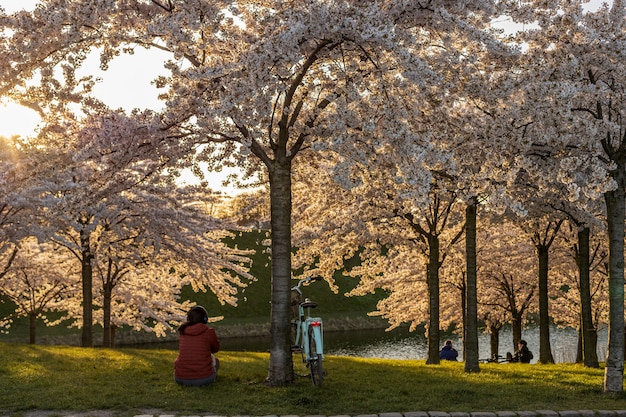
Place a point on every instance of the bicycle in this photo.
(309, 335)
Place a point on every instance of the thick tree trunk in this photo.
(471, 316)
(614, 370)
(545, 351)
(281, 363)
(433, 300)
(87, 284)
(588, 332)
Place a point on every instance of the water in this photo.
(402, 344)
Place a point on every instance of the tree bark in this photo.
(281, 363)
(614, 370)
(471, 315)
(433, 300)
(32, 328)
(107, 337)
(494, 340)
(516, 329)
(463, 291)
(588, 332)
(545, 351)
(87, 287)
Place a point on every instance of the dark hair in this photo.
(197, 314)
(523, 342)
(449, 342)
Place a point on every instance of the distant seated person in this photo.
(522, 355)
(196, 365)
(447, 352)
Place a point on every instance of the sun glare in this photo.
(17, 120)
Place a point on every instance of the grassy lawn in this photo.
(129, 380)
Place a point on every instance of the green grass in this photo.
(129, 380)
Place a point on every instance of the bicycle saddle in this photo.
(309, 304)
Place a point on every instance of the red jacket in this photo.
(195, 346)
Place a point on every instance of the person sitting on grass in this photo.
(522, 355)
(447, 352)
(196, 365)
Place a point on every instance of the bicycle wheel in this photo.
(315, 361)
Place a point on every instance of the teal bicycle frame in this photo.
(309, 338)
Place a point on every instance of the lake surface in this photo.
(402, 344)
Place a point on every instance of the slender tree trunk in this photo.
(107, 339)
(113, 329)
(579, 345)
(588, 339)
(281, 363)
(494, 340)
(32, 328)
(433, 300)
(545, 351)
(87, 284)
(471, 316)
(614, 370)
(516, 328)
(464, 313)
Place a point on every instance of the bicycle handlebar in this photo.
(302, 281)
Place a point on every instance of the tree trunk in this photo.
(579, 345)
(433, 300)
(464, 312)
(471, 316)
(113, 329)
(590, 357)
(87, 284)
(494, 340)
(516, 329)
(614, 370)
(281, 363)
(107, 337)
(32, 328)
(545, 351)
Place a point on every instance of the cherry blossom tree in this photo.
(116, 210)
(39, 281)
(581, 279)
(543, 235)
(508, 285)
(575, 69)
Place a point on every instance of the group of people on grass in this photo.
(522, 354)
(196, 364)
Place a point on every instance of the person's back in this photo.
(195, 364)
(447, 352)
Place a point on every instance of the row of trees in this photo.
(388, 112)
(83, 216)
